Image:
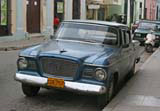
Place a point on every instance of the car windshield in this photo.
(147, 26)
(87, 33)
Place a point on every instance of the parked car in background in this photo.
(85, 56)
(144, 28)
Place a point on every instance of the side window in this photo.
(123, 37)
(126, 38)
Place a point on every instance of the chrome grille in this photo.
(59, 67)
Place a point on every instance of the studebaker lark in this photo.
(85, 56)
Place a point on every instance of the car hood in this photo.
(86, 52)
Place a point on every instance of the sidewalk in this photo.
(142, 92)
(20, 44)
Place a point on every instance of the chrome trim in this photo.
(73, 86)
(95, 65)
(105, 66)
(35, 80)
(78, 41)
(106, 75)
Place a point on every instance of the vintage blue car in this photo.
(85, 56)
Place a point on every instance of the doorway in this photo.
(33, 16)
(76, 9)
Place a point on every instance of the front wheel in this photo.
(106, 98)
(30, 90)
(132, 71)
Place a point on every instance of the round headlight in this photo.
(22, 63)
(100, 74)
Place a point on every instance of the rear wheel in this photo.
(30, 90)
(132, 71)
(107, 97)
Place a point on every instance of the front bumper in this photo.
(72, 86)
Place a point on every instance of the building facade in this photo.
(20, 19)
(103, 9)
(5, 19)
(139, 9)
(158, 10)
(151, 9)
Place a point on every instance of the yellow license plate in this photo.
(55, 82)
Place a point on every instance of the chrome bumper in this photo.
(73, 86)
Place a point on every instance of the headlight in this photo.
(22, 63)
(100, 74)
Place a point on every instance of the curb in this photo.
(24, 43)
(16, 48)
(115, 101)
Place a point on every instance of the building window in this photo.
(76, 9)
(4, 17)
(59, 9)
(3, 12)
(140, 9)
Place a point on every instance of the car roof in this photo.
(98, 22)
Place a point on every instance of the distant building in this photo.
(20, 19)
(151, 9)
(103, 9)
(139, 9)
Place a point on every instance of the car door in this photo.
(131, 53)
(125, 52)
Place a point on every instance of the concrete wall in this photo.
(13, 16)
(115, 9)
(83, 9)
(68, 9)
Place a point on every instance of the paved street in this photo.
(12, 98)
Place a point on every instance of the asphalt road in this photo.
(12, 98)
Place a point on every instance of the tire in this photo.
(141, 43)
(131, 72)
(30, 90)
(108, 96)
